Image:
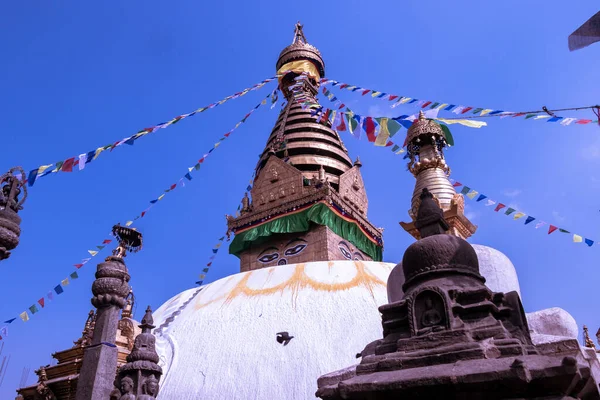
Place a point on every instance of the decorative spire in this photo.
(128, 309)
(586, 337)
(88, 331)
(357, 163)
(140, 376)
(299, 34)
(11, 184)
(430, 217)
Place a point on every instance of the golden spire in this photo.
(588, 342)
(299, 34)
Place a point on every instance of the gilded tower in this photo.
(425, 143)
(308, 202)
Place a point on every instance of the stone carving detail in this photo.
(42, 390)
(141, 371)
(88, 331)
(274, 174)
(430, 311)
(10, 204)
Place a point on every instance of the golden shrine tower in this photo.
(308, 202)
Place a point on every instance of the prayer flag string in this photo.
(544, 114)
(498, 207)
(60, 288)
(79, 162)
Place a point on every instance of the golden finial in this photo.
(422, 115)
(298, 33)
(587, 340)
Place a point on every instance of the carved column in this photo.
(140, 376)
(110, 290)
(10, 204)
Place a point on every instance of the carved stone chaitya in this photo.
(11, 202)
(304, 162)
(451, 337)
(425, 142)
(110, 289)
(139, 378)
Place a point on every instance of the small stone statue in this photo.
(245, 203)
(431, 317)
(127, 389)
(149, 389)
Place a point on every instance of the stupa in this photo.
(306, 299)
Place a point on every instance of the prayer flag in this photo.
(65, 282)
(9, 321)
(466, 109)
(456, 184)
(215, 250)
(58, 289)
(477, 110)
(472, 194)
(50, 295)
(486, 111)
(563, 230)
(24, 316)
(426, 104)
(128, 223)
(78, 265)
(202, 276)
(466, 122)
(205, 270)
(341, 125)
(100, 247)
(161, 196)
(92, 252)
(32, 177)
(490, 202)
(509, 211)
(481, 197)
(499, 207)
(33, 308)
(209, 264)
(107, 241)
(465, 190)
(68, 165)
(519, 215)
(529, 219)
(539, 224)
(589, 242)
(577, 239)
(369, 127)
(551, 229)
(384, 133)
(74, 275)
(41, 302)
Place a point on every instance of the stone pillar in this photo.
(99, 365)
(138, 379)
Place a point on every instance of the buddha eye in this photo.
(345, 252)
(282, 261)
(292, 251)
(358, 257)
(267, 258)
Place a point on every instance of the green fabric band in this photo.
(300, 222)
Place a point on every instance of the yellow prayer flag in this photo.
(128, 223)
(400, 151)
(351, 87)
(442, 106)
(542, 116)
(466, 122)
(263, 102)
(217, 144)
(472, 194)
(92, 252)
(375, 94)
(486, 111)
(190, 169)
(98, 151)
(519, 215)
(577, 239)
(236, 125)
(65, 282)
(161, 196)
(218, 245)
(405, 100)
(43, 168)
(24, 316)
(384, 133)
(202, 276)
(200, 109)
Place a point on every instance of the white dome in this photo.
(546, 325)
(220, 342)
(497, 269)
(499, 272)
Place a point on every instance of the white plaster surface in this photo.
(222, 345)
(551, 324)
(499, 272)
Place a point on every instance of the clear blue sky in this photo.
(77, 75)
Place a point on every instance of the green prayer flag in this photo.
(33, 309)
(434, 105)
(393, 127)
(74, 275)
(477, 110)
(563, 230)
(509, 211)
(465, 190)
(529, 116)
(448, 135)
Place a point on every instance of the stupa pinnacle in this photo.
(425, 143)
(308, 202)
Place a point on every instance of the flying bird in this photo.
(284, 337)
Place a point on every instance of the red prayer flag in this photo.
(466, 110)
(370, 128)
(143, 213)
(583, 121)
(519, 114)
(107, 241)
(68, 165)
(341, 106)
(551, 229)
(457, 184)
(366, 91)
(200, 161)
(209, 264)
(343, 85)
(173, 186)
(41, 302)
(388, 144)
(227, 134)
(78, 265)
(393, 97)
(342, 126)
(499, 207)
(425, 104)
